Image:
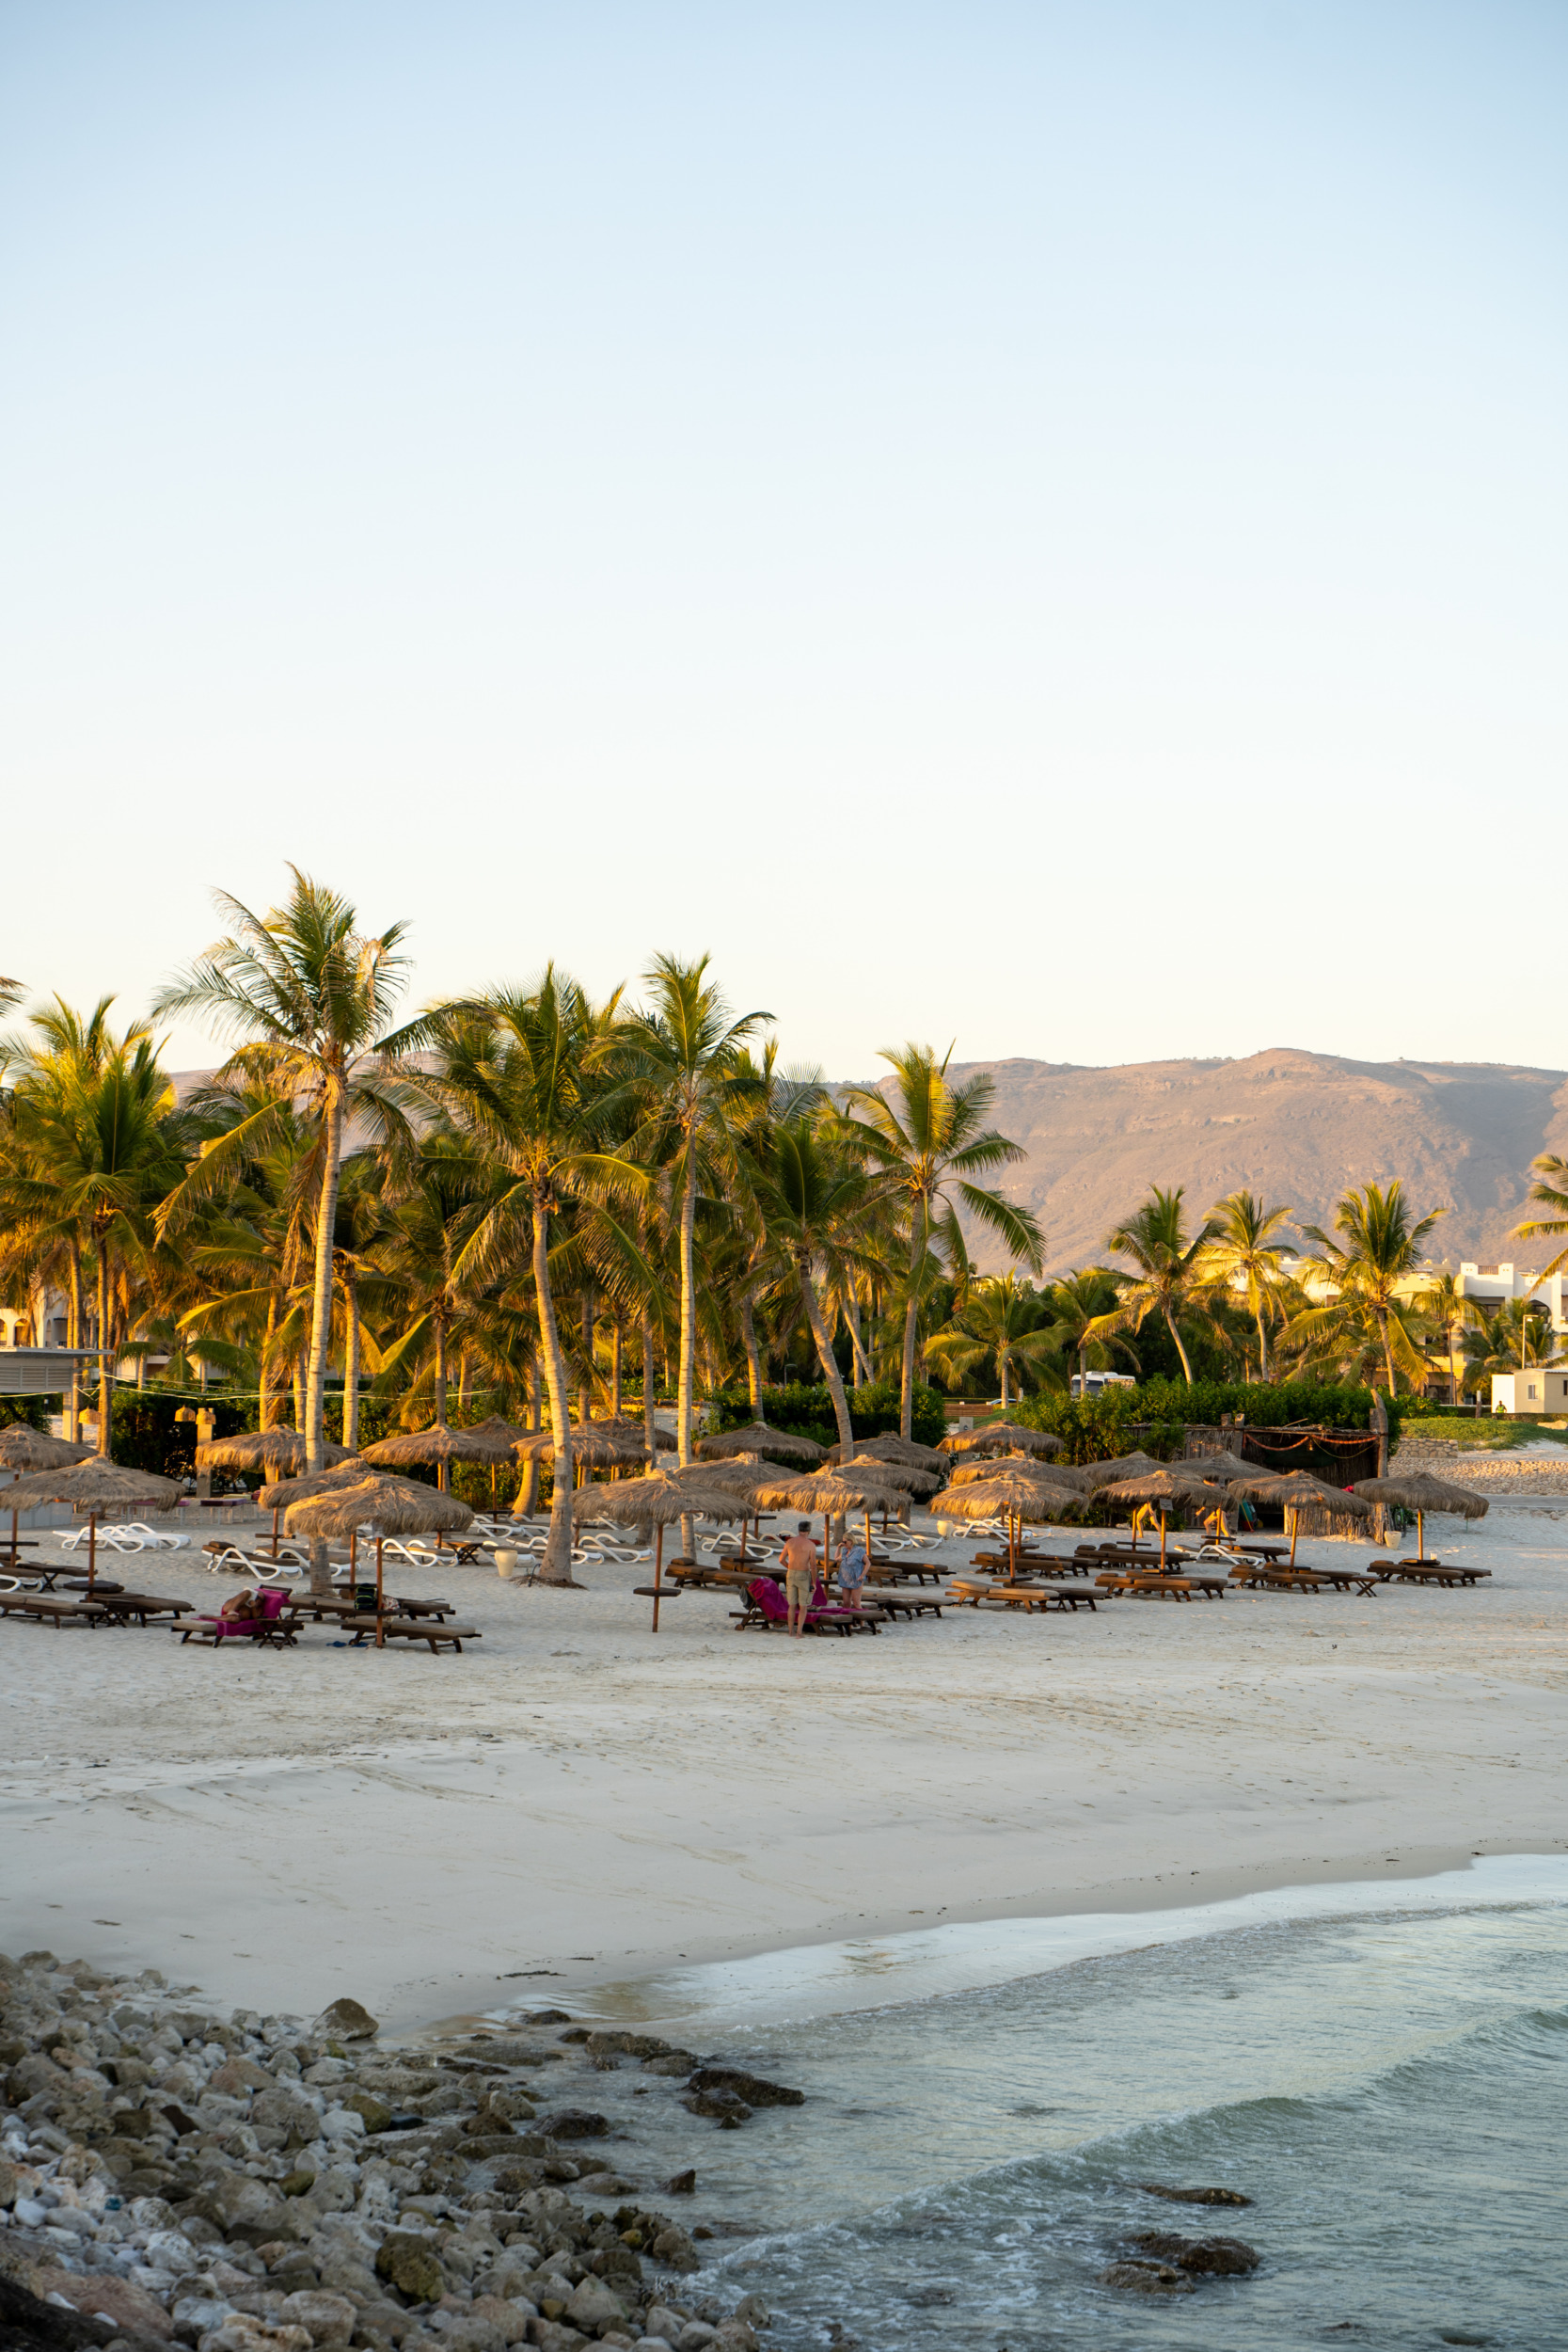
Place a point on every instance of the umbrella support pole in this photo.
(1295, 1523)
(1161, 1543)
(275, 1533)
(92, 1551)
(658, 1568)
(380, 1635)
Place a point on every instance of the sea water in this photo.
(1388, 2087)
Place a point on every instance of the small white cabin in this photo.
(1538, 1388)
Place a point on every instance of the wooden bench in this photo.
(436, 1634)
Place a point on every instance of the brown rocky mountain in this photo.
(1299, 1128)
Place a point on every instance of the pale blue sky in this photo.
(1043, 525)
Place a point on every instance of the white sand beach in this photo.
(574, 1800)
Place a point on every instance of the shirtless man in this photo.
(800, 1563)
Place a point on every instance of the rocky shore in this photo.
(261, 2183)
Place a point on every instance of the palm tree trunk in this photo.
(556, 1566)
(351, 1370)
(443, 1469)
(74, 1338)
(615, 1369)
(528, 1493)
(302, 1373)
(321, 1307)
(1262, 1351)
(585, 1393)
(264, 1379)
(650, 1433)
(852, 1317)
(1186, 1367)
(106, 1361)
(830, 1364)
(1002, 1367)
(1388, 1350)
(753, 1358)
(689, 1307)
(906, 1376)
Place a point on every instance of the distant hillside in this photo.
(1299, 1128)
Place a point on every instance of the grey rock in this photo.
(1210, 2257)
(754, 2089)
(1148, 2279)
(1195, 2196)
(346, 2021)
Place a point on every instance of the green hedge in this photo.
(807, 1410)
(1096, 1428)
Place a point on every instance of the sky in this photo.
(1041, 527)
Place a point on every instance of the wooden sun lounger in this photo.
(122, 1605)
(916, 1604)
(969, 1592)
(1432, 1573)
(52, 1611)
(436, 1634)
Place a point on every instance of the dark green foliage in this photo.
(1156, 1413)
(30, 1411)
(145, 1434)
(806, 1409)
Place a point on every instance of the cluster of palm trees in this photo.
(528, 1194)
(508, 1192)
(1354, 1304)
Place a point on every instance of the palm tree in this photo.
(1169, 1260)
(518, 1075)
(437, 1209)
(682, 1058)
(1380, 1251)
(1550, 1191)
(106, 1145)
(927, 1139)
(1515, 1335)
(1004, 1323)
(1450, 1310)
(818, 1201)
(1084, 1305)
(309, 998)
(1244, 1260)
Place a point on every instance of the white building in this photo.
(1494, 1285)
(1538, 1388)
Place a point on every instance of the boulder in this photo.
(236, 2077)
(345, 2021)
(1148, 2279)
(327, 2319)
(681, 2185)
(724, 2107)
(593, 2306)
(659, 2320)
(1203, 2257)
(31, 2325)
(128, 2306)
(241, 2331)
(231, 2199)
(556, 2335)
(510, 2319)
(674, 2250)
(754, 2089)
(409, 2263)
(573, 2123)
(1195, 2196)
(373, 2112)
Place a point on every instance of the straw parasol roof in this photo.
(494, 1426)
(25, 1449)
(1418, 1490)
(1025, 1465)
(913, 1477)
(757, 1438)
(889, 1447)
(657, 1501)
(1162, 1488)
(735, 1478)
(1000, 1437)
(832, 1493)
(331, 1482)
(595, 1444)
(1298, 1490)
(1134, 1465)
(390, 1504)
(1008, 1498)
(438, 1445)
(273, 1451)
(95, 1485)
(1223, 1466)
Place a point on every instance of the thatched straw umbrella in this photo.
(1294, 1491)
(743, 1477)
(99, 1483)
(1134, 1465)
(1224, 1467)
(276, 1452)
(1162, 1490)
(1024, 1465)
(1418, 1491)
(391, 1505)
(834, 1493)
(889, 1447)
(1000, 1437)
(595, 1445)
(440, 1447)
(914, 1477)
(781, 1445)
(26, 1449)
(1020, 1496)
(656, 1501)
